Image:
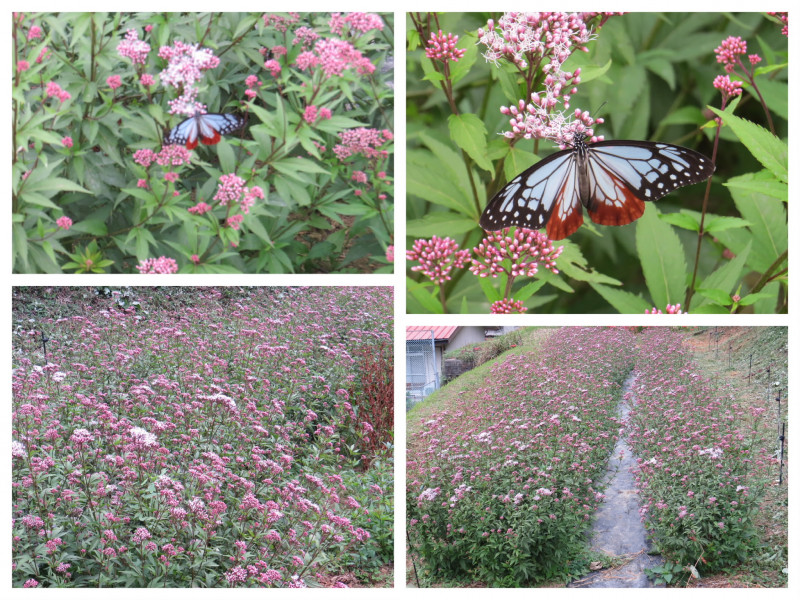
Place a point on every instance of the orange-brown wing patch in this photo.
(612, 202)
(567, 215)
(209, 141)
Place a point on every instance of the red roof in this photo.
(422, 332)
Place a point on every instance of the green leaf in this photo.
(431, 74)
(722, 223)
(623, 301)
(753, 298)
(710, 308)
(727, 277)
(440, 178)
(767, 222)
(227, 160)
(428, 301)
(762, 182)
(491, 292)
(56, 184)
(509, 83)
(459, 69)
(661, 67)
(20, 247)
(91, 226)
(573, 264)
(681, 219)
(718, 296)
(589, 72)
(469, 134)
(776, 96)
(439, 223)
(686, 115)
(528, 290)
(38, 199)
(662, 257)
(516, 161)
(769, 150)
(292, 165)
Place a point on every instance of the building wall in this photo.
(465, 336)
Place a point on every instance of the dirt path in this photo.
(618, 530)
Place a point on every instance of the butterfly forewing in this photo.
(652, 169)
(528, 199)
(618, 177)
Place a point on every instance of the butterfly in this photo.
(612, 179)
(208, 128)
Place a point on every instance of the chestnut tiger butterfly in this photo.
(207, 128)
(612, 179)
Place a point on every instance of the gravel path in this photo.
(618, 530)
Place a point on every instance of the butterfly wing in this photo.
(545, 194)
(623, 174)
(183, 133)
(214, 125)
(208, 128)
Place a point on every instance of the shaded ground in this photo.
(618, 530)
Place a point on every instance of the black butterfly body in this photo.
(612, 179)
(207, 128)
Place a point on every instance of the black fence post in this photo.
(780, 468)
(45, 339)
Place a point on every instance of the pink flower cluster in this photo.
(362, 140)
(134, 48)
(443, 47)
(171, 155)
(232, 189)
(355, 22)
(53, 89)
(333, 57)
(784, 18)
(521, 254)
(672, 309)
(728, 88)
(437, 258)
(216, 426)
(521, 38)
(543, 42)
(161, 265)
(508, 306)
(186, 63)
(280, 22)
(729, 50)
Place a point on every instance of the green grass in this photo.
(442, 399)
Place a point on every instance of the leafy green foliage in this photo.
(651, 75)
(76, 156)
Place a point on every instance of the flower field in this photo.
(702, 465)
(202, 438)
(502, 488)
(503, 481)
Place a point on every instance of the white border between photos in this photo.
(401, 319)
